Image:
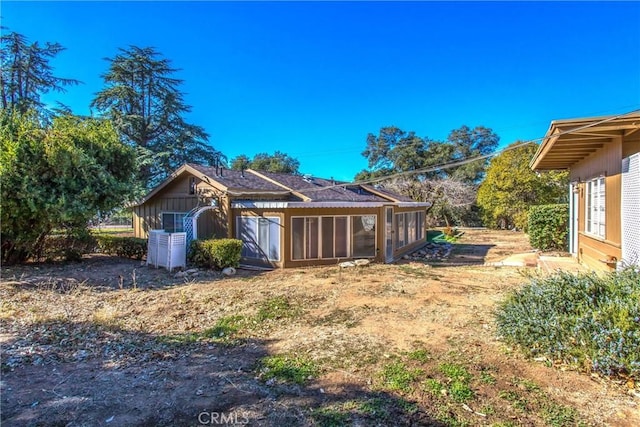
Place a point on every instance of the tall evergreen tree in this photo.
(145, 103)
(56, 175)
(26, 73)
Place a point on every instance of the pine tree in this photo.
(147, 108)
(26, 73)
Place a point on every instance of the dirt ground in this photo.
(109, 341)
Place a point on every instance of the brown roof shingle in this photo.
(323, 190)
(236, 180)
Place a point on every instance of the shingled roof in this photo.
(290, 187)
(237, 180)
(323, 190)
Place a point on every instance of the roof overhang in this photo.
(182, 169)
(569, 141)
(249, 204)
(242, 192)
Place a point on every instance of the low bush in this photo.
(590, 321)
(126, 247)
(66, 245)
(215, 253)
(548, 227)
(72, 244)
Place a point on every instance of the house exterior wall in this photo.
(175, 197)
(593, 251)
(221, 222)
(286, 235)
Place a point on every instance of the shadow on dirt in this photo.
(73, 374)
(465, 254)
(107, 273)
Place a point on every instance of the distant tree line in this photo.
(432, 171)
(460, 177)
(58, 169)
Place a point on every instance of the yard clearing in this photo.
(111, 342)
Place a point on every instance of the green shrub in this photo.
(198, 255)
(126, 247)
(588, 320)
(215, 253)
(548, 227)
(66, 245)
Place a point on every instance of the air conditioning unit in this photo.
(167, 250)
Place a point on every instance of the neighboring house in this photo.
(285, 220)
(602, 155)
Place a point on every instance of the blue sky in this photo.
(312, 79)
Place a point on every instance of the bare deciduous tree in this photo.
(450, 199)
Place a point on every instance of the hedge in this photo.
(549, 227)
(68, 247)
(126, 247)
(72, 246)
(215, 253)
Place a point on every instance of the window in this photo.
(260, 237)
(192, 185)
(409, 228)
(172, 222)
(595, 207)
(330, 237)
(420, 225)
(363, 233)
(400, 231)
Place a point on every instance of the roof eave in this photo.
(182, 169)
(590, 133)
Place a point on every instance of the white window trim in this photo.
(349, 236)
(162, 214)
(595, 218)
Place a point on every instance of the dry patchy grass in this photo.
(406, 344)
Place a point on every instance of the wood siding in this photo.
(594, 251)
(175, 197)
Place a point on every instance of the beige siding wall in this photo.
(592, 250)
(149, 215)
(175, 197)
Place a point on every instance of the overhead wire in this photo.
(468, 160)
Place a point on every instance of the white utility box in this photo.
(167, 249)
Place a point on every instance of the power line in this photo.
(471, 159)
